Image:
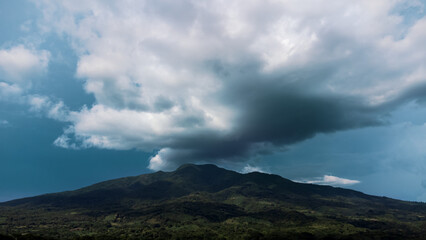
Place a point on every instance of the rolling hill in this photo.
(208, 202)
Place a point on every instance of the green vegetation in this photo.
(206, 202)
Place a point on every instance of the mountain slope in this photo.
(206, 201)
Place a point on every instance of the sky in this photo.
(325, 92)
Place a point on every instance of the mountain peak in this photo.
(197, 167)
(209, 194)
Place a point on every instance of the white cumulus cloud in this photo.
(51, 109)
(19, 65)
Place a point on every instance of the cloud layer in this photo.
(216, 81)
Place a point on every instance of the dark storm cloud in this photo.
(274, 112)
(272, 117)
(278, 111)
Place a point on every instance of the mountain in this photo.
(208, 202)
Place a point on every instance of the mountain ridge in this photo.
(150, 178)
(213, 200)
